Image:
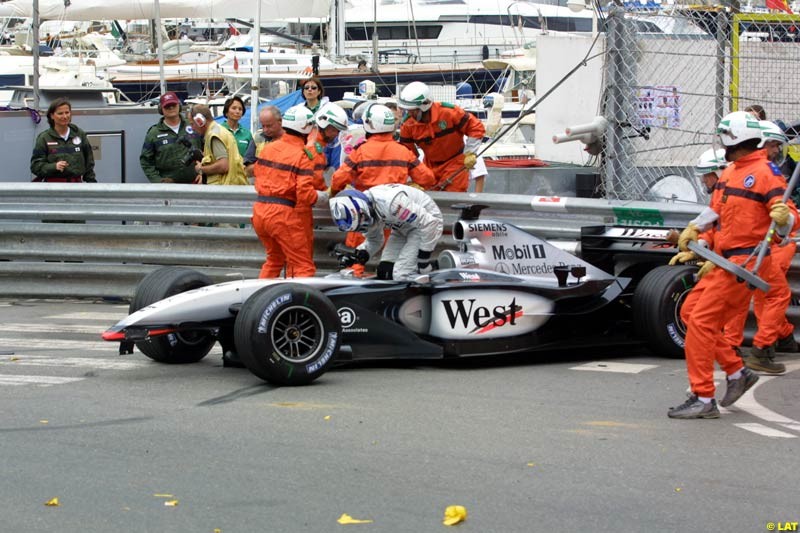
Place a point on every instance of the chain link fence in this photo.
(664, 93)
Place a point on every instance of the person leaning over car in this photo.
(414, 218)
(62, 153)
(378, 161)
(167, 144)
(222, 164)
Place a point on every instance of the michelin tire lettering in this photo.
(271, 308)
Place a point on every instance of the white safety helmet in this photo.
(331, 114)
(415, 95)
(711, 161)
(771, 132)
(738, 127)
(298, 118)
(350, 210)
(378, 119)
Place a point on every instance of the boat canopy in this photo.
(145, 9)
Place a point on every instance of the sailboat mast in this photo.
(375, 36)
(256, 70)
(159, 45)
(35, 50)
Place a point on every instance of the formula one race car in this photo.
(502, 291)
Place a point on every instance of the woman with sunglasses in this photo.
(313, 94)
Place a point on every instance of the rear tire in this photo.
(173, 348)
(657, 305)
(288, 334)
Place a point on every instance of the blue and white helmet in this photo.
(350, 210)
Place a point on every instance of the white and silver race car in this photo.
(502, 291)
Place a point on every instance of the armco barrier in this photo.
(130, 230)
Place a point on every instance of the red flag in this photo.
(236, 63)
(779, 5)
(233, 29)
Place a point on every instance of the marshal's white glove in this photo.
(322, 198)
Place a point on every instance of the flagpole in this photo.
(159, 41)
(256, 70)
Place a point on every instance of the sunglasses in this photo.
(310, 88)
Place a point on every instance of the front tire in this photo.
(288, 334)
(180, 347)
(657, 304)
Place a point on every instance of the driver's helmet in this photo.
(415, 95)
(772, 132)
(378, 119)
(331, 114)
(711, 161)
(350, 210)
(738, 127)
(298, 118)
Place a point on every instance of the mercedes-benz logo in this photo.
(502, 268)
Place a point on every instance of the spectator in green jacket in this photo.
(167, 145)
(233, 111)
(62, 153)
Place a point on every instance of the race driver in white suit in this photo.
(413, 217)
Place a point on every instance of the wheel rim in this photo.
(296, 334)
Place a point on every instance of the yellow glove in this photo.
(682, 257)
(469, 160)
(689, 234)
(779, 212)
(415, 185)
(707, 267)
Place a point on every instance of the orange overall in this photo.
(283, 181)
(315, 147)
(441, 138)
(749, 191)
(769, 305)
(380, 160)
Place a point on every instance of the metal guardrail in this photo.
(130, 230)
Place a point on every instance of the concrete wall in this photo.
(575, 102)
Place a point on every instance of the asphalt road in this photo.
(575, 441)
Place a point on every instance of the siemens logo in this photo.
(487, 226)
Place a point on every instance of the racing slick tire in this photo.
(288, 334)
(657, 303)
(173, 348)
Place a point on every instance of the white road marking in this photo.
(58, 344)
(74, 362)
(42, 381)
(112, 317)
(766, 431)
(748, 404)
(606, 366)
(56, 328)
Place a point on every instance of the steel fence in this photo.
(91, 240)
(663, 94)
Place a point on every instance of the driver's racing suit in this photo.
(416, 224)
